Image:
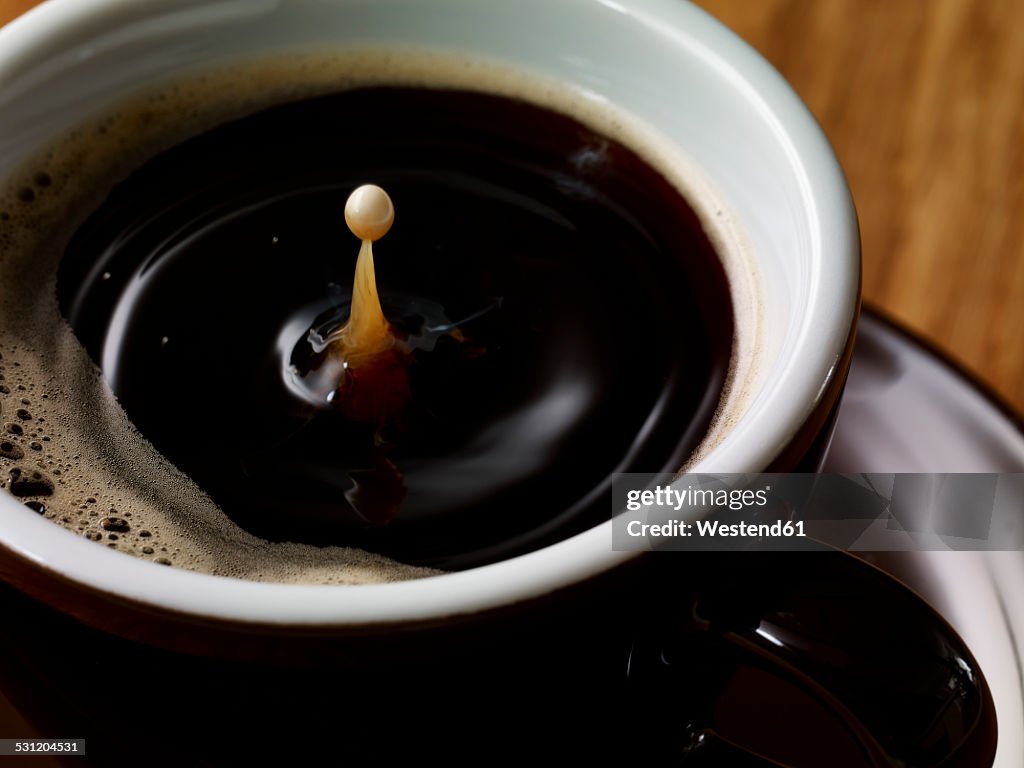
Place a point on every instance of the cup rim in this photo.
(821, 344)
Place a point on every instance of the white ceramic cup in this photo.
(664, 61)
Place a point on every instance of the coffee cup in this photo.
(709, 111)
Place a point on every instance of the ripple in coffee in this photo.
(562, 311)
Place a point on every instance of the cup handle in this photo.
(779, 659)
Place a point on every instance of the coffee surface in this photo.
(565, 314)
(553, 287)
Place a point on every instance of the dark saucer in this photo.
(908, 408)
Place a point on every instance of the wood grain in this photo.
(924, 103)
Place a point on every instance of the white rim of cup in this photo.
(820, 346)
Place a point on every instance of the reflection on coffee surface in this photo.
(559, 314)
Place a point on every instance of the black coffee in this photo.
(569, 320)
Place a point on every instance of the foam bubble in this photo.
(94, 457)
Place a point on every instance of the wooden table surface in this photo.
(924, 103)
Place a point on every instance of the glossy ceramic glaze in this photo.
(663, 61)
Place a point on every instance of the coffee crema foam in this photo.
(63, 429)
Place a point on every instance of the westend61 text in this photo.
(858, 512)
(786, 528)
